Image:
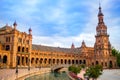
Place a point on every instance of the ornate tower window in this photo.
(7, 39)
(7, 47)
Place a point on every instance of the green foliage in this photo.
(83, 66)
(94, 71)
(74, 69)
(116, 53)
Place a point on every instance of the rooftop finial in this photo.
(72, 46)
(30, 30)
(100, 11)
(15, 24)
(99, 4)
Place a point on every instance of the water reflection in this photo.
(50, 76)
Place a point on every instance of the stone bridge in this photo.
(58, 67)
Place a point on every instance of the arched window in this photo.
(18, 60)
(76, 61)
(23, 49)
(4, 59)
(80, 61)
(22, 60)
(97, 62)
(26, 49)
(65, 61)
(61, 61)
(72, 61)
(32, 60)
(41, 61)
(57, 61)
(7, 47)
(18, 48)
(49, 61)
(69, 62)
(84, 61)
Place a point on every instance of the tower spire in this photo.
(100, 15)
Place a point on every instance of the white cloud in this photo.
(64, 41)
(30, 15)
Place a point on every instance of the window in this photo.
(23, 49)
(7, 39)
(26, 49)
(7, 47)
(27, 41)
(19, 39)
(18, 48)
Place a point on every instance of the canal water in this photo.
(50, 76)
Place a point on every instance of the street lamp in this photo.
(1, 61)
(16, 67)
(28, 64)
(39, 64)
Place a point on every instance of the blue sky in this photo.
(62, 22)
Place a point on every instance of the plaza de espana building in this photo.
(16, 48)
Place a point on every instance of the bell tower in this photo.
(102, 45)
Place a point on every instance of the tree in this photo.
(94, 72)
(74, 69)
(116, 53)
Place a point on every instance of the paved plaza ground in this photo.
(110, 75)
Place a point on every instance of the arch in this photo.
(80, 61)
(61, 61)
(102, 63)
(69, 62)
(49, 61)
(27, 60)
(97, 62)
(72, 61)
(23, 49)
(36, 61)
(65, 61)
(0, 57)
(106, 64)
(19, 49)
(27, 50)
(41, 60)
(18, 60)
(57, 61)
(110, 64)
(7, 47)
(93, 63)
(84, 61)
(32, 60)
(4, 59)
(53, 61)
(76, 61)
(45, 60)
(22, 60)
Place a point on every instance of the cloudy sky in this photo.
(62, 22)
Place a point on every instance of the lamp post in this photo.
(39, 64)
(28, 64)
(16, 67)
(1, 61)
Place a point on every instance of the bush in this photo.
(74, 69)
